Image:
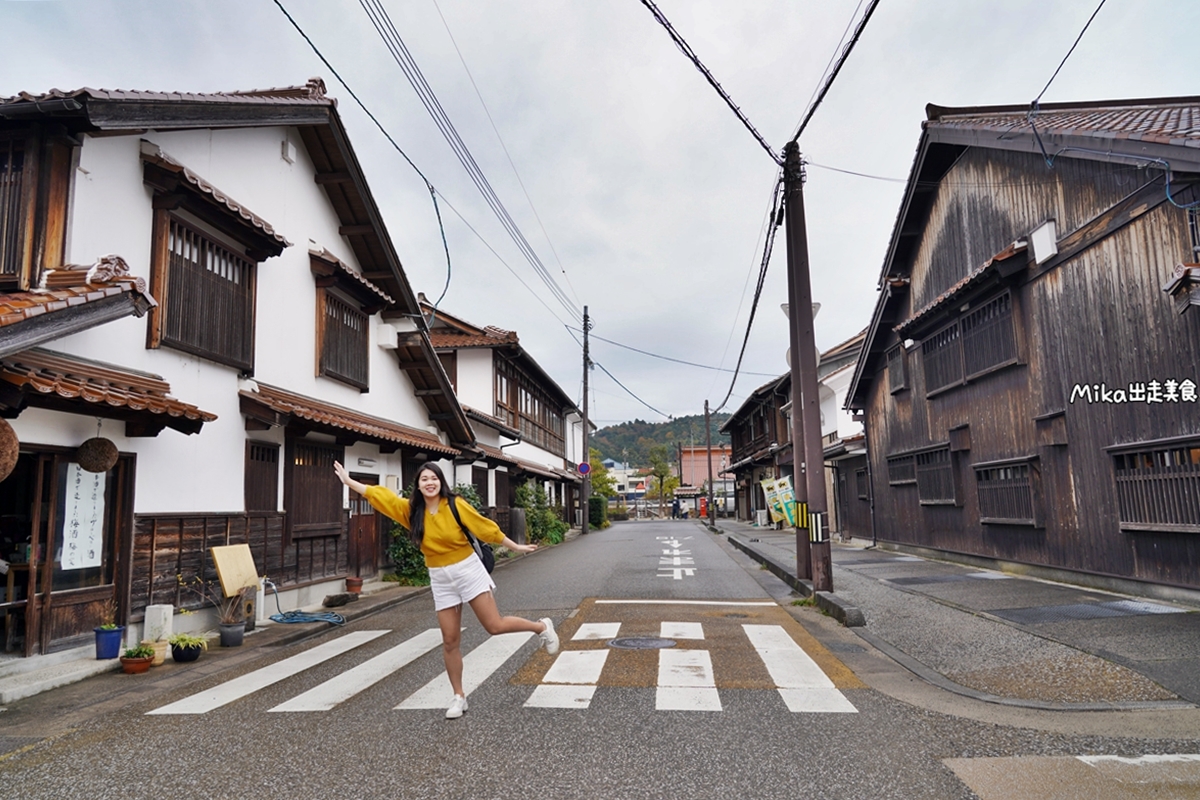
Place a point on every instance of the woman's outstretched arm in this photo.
(345, 478)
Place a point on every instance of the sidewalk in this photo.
(999, 637)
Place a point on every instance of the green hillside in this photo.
(631, 441)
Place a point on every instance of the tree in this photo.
(660, 467)
(603, 484)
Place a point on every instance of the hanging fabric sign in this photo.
(83, 519)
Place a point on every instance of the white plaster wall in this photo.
(475, 383)
(111, 213)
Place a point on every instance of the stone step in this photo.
(50, 676)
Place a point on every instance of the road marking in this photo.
(681, 630)
(685, 603)
(597, 630)
(577, 666)
(801, 683)
(685, 682)
(207, 700)
(478, 665)
(365, 675)
(561, 696)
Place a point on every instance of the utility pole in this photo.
(587, 453)
(708, 447)
(813, 558)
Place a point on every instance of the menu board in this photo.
(83, 519)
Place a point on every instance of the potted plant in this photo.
(108, 632)
(231, 611)
(186, 647)
(159, 646)
(137, 659)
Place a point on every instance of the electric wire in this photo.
(395, 44)
(628, 391)
(669, 358)
(1078, 38)
(832, 56)
(838, 68)
(686, 49)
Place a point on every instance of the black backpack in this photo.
(482, 549)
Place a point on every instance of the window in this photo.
(902, 470)
(1008, 493)
(262, 476)
(935, 477)
(35, 184)
(14, 203)
(533, 413)
(343, 338)
(206, 297)
(983, 340)
(450, 365)
(860, 478)
(897, 366)
(1158, 486)
(1194, 229)
(313, 493)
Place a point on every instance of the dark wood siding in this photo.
(343, 338)
(262, 476)
(312, 492)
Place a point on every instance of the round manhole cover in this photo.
(641, 643)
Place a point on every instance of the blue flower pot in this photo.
(108, 642)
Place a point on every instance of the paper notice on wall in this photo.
(83, 519)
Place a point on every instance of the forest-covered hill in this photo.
(631, 441)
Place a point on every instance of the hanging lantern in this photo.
(96, 454)
(9, 447)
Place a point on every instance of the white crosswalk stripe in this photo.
(579, 670)
(686, 682)
(225, 693)
(802, 684)
(597, 630)
(346, 685)
(478, 665)
(681, 630)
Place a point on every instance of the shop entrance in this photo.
(62, 530)
(364, 530)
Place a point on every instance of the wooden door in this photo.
(364, 531)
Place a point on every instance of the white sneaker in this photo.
(549, 637)
(457, 708)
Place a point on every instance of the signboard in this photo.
(235, 567)
(83, 519)
(585, 468)
(781, 500)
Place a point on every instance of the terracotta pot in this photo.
(354, 585)
(134, 666)
(160, 651)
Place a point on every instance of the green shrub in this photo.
(410, 563)
(542, 525)
(598, 512)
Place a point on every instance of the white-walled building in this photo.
(253, 325)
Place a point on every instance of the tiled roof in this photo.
(496, 453)
(1173, 122)
(71, 286)
(492, 422)
(332, 416)
(74, 378)
(152, 154)
(977, 276)
(312, 92)
(347, 273)
(491, 337)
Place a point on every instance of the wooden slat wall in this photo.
(167, 545)
(1100, 317)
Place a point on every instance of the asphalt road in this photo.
(773, 701)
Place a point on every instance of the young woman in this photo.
(456, 574)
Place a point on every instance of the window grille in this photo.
(860, 478)
(12, 207)
(314, 492)
(941, 355)
(897, 366)
(935, 477)
(902, 470)
(209, 306)
(988, 338)
(1158, 488)
(1194, 228)
(344, 342)
(1006, 494)
(523, 405)
(262, 476)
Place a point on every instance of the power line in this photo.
(395, 44)
(838, 68)
(669, 358)
(1078, 38)
(832, 56)
(686, 49)
(630, 393)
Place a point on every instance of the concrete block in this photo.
(159, 622)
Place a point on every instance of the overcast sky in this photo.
(652, 195)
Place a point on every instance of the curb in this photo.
(850, 616)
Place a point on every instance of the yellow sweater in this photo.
(444, 543)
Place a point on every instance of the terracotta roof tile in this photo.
(1165, 122)
(346, 272)
(492, 422)
(491, 337)
(496, 453)
(312, 93)
(72, 285)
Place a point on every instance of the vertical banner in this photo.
(781, 500)
(83, 519)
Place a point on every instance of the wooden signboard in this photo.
(235, 567)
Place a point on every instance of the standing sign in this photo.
(781, 500)
(83, 519)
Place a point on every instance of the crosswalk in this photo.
(686, 675)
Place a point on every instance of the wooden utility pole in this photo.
(708, 446)
(813, 558)
(586, 492)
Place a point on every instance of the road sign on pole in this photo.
(585, 468)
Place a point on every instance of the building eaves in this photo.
(978, 276)
(495, 423)
(359, 285)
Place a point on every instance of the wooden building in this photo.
(284, 357)
(1029, 375)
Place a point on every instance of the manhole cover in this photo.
(641, 643)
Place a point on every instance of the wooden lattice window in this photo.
(860, 478)
(312, 491)
(941, 356)
(524, 405)
(935, 477)
(988, 337)
(14, 207)
(344, 338)
(206, 298)
(262, 476)
(1158, 486)
(902, 470)
(1008, 493)
(897, 367)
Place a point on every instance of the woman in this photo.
(456, 574)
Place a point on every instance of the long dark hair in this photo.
(416, 509)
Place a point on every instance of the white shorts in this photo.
(459, 583)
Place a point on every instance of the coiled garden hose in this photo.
(302, 616)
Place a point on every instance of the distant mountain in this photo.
(631, 441)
